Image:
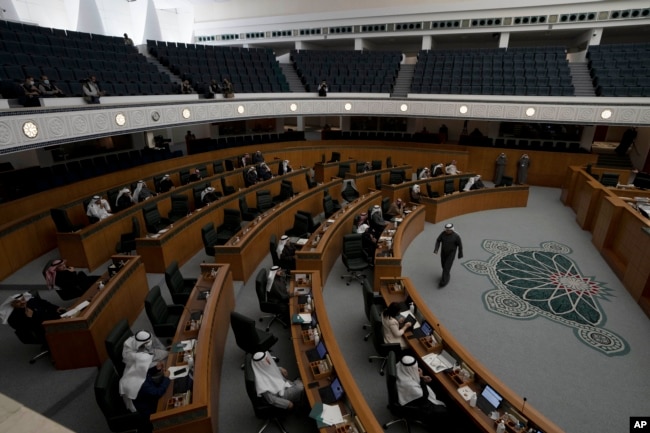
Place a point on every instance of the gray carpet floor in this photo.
(578, 387)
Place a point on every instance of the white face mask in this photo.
(46, 81)
(31, 83)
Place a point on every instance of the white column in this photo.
(427, 42)
(504, 40)
(89, 20)
(151, 25)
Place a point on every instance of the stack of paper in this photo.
(436, 362)
(75, 310)
(332, 414)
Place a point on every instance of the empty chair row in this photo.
(493, 90)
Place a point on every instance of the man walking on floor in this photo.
(450, 243)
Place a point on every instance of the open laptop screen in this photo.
(337, 389)
(491, 396)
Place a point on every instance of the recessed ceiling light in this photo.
(530, 111)
(404, 107)
(186, 113)
(348, 106)
(240, 109)
(293, 107)
(463, 109)
(606, 114)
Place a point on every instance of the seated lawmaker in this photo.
(251, 176)
(28, 314)
(414, 393)
(142, 192)
(140, 352)
(264, 172)
(284, 167)
(99, 208)
(394, 326)
(271, 383)
(377, 222)
(209, 195)
(452, 169)
(195, 175)
(124, 199)
(154, 386)
(277, 291)
(165, 184)
(258, 157)
(424, 174)
(61, 275)
(396, 209)
(416, 195)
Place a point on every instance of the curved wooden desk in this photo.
(512, 401)
(461, 203)
(303, 342)
(183, 240)
(250, 246)
(78, 341)
(403, 190)
(389, 263)
(324, 246)
(201, 413)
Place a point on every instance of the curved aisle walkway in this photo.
(584, 377)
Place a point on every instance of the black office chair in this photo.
(370, 298)
(286, 192)
(179, 209)
(247, 213)
(462, 182)
(109, 400)
(164, 318)
(126, 244)
(262, 409)
(248, 337)
(310, 182)
(300, 227)
(312, 223)
(210, 239)
(115, 342)
(196, 195)
(609, 179)
(30, 336)
(62, 221)
(378, 181)
(279, 312)
(330, 206)
(396, 177)
(336, 157)
(152, 219)
(383, 349)
(217, 167)
(430, 192)
(344, 168)
(385, 207)
(449, 186)
(349, 193)
(264, 200)
(375, 164)
(179, 287)
(354, 257)
(401, 412)
(231, 225)
(227, 189)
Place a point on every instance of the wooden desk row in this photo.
(249, 247)
(403, 190)
(392, 292)
(78, 341)
(620, 233)
(325, 245)
(357, 414)
(200, 413)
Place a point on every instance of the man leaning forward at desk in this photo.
(141, 383)
(271, 382)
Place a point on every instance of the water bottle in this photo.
(472, 400)
(501, 427)
(412, 308)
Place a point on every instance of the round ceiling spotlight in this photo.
(186, 113)
(606, 114)
(404, 107)
(293, 107)
(463, 109)
(530, 111)
(30, 129)
(347, 106)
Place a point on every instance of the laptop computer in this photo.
(424, 330)
(488, 400)
(317, 353)
(332, 393)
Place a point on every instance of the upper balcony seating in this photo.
(620, 69)
(539, 71)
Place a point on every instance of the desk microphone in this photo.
(523, 406)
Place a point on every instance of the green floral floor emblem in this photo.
(533, 282)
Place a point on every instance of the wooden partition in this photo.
(355, 404)
(325, 245)
(78, 341)
(388, 262)
(461, 203)
(183, 240)
(512, 401)
(403, 190)
(201, 413)
(365, 182)
(324, 171)
(251, 245)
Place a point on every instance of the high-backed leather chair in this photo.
(210, 239)
(449, 186)
(300, 227)
(126, 244)
(152, 219)
(62, 221)
(354, 257)
(263, 410)
(231, 225)
(180, 208)
(279, 312)
(109, 400)
(247, 213)
(115, 342)
(330, 206)
(370, 298)
(248, 337)
(178, 286)
(164, 318)
(264, 200)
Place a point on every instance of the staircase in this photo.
(613, 160)
(581, 79)
(295, 85)
(403, 81)
(151, 59)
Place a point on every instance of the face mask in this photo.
(31, 83)
(46, 81)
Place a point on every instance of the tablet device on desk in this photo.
(332, 393)
(488, 400)
(317, 353)
(409, 319)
